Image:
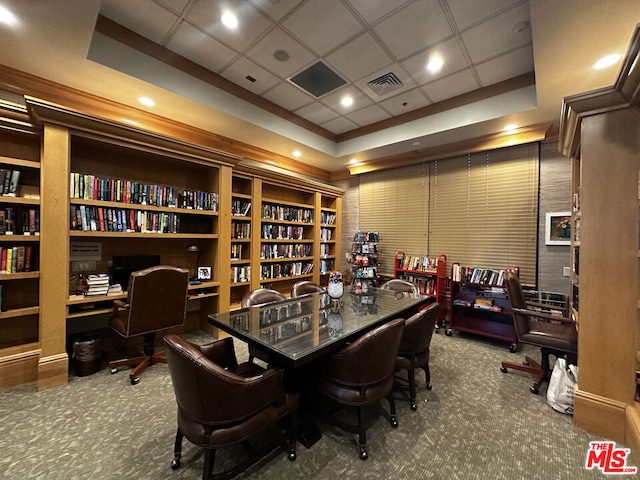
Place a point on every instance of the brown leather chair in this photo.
(157, 300)
(554, 334)
(261, 296)
(361, 374)
(401, 285)
(414, 352)
(305, 286)
(222, 403)
(254, 298)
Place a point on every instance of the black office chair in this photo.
(157, 300)
(554, 334)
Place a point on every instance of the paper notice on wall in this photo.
(85, 251)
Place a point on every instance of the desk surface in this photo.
(298, 330)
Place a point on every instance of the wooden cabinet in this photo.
(430, 274)
(600, 132)
(20, 273)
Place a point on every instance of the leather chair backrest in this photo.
(157, 298)
(418, 330)
(261, 296)
(517, 300)
(206, 391)
(305, 286)
(369, 359)
(400, 285)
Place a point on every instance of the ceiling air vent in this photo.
(385, 83)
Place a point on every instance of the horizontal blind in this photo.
(484, 209)
(395, 204)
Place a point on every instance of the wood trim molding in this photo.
(600, 415)
(624, 93)
(53, 371)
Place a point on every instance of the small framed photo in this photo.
(204, 273)
(558, 228)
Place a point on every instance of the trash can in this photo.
(87, 355)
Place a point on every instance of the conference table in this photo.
(298, 330)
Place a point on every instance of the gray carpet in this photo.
(476, 423)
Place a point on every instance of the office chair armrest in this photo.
(119, 306)
(221, 352)
(548, 316)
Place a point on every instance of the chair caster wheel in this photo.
(292, 456)
(175, 464)
(135, 380)
(363, 453)
(513, 347)
(429, 386)
(413, 406)
(503, 369)
(394, 422)
(448, 332)
(533, 390)
(114, 370)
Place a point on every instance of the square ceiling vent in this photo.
(318, 79)
(385, 83)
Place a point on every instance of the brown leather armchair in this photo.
(360, 374)
(222, 403)
(260, 296)
(401, 285)
(414, 352)
(157, 300)
(554, 334)
(305, 286)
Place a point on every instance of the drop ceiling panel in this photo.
(317, 113)
(373, 11)
(506, 66)
(207, 13)
(359, 57)
(322, 28)
(451, 86)
(466, 13)
(426, 22)
(144, 17)
(177, 6)
(288, 96)
(449, 51)
(333, 99)
(192, 43)
(405, 102)
(277, 39)
(339, 125)
(497, 36)
(368, 114)
(243, 67)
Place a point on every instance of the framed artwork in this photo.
(558, 228)
(204, 273)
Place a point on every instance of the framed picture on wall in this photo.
(558, 228)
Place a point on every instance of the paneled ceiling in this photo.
(276, 81)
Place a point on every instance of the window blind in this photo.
(478, 209)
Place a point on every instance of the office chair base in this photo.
(529, 366)
(140, 364)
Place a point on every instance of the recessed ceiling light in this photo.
(229, 20)
(607, 61)
(415, 144)
(146, 101)
(7, 17)
(353, 161)
(510, 128)
(297, 154)
(435, 64)
(346, 101)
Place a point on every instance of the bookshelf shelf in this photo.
(137, 206)
(20, 200)
(187, 236)
(19, 275)
(19, 312)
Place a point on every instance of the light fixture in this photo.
(435, 64)
(146, 101)
(606, 61)
(353, 161)
(297, 154)
(229, 20)
(511, 128)
(7, 17)
(346, 101)
(192, 247)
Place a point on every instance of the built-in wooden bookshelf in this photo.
(599, 131)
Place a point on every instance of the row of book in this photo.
(427, 285)
(240, 230)
(19, 221)
(100, 219)
(327, 218)
(279, 250)
(91, 187)
(16, 259)
(366, 248)
(9, 182)
(240, 208)
(286, 213)
(326, 265)
(477, 305)
(236, 251)
(282, 232)
(325, 234)
(240, 274)
(417, 263)
(289, 269)
(366, 237)
(325, 249)
(486, 276)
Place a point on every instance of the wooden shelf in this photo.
(286, 260)
(284, 279)
(19, 312)
(19, 276)
(137, 206)
(19, 238)
(86, 233)
(20, 200)
(19, 162)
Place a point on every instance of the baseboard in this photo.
(600, 415)
(53, 371)
(19, 368)
(633, 427)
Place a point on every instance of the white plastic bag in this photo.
(561, 386)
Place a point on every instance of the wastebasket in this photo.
(87, 354)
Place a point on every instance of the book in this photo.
(28, 258)
(8, 261)
(20, 259)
